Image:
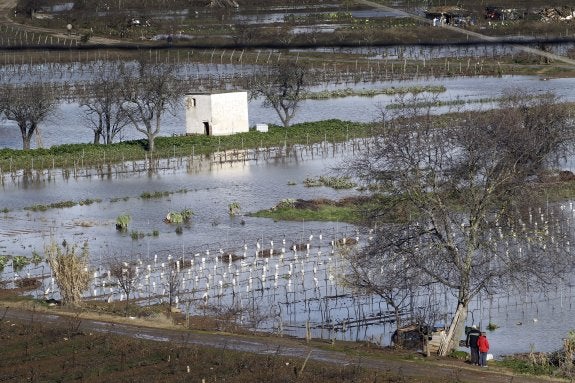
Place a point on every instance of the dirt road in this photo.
(417, 370)
(480, 36)
(6, 14)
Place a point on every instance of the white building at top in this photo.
(217, 114)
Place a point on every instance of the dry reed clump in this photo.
(70, 269)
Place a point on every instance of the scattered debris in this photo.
(138, 22)
(53, 302)
(564, 13)
(450, 15)
(499, 13)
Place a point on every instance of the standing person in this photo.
(471, 342)
(483, 345)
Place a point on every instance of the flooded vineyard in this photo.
(278, 277)
(292, 285)
(460, 93)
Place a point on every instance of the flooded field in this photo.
(69, 126)
(280, 277)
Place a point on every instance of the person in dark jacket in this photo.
(483, 345)
(471, 342)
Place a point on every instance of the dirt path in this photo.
(417, 370)
(7, 6)
(526, 49)
(6, 13)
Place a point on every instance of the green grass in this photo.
(72, 156)
(321, 212)
(3, 261)
(153, 195)
(523, 366)
(347, 92)
(63, 204)
(55, 205)
(331, 182)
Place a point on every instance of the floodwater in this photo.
(69, 126)
(288, 289)
(292, 287)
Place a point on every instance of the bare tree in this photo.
(173, 283)
(460, 189)
(127, 275)
(102, 104)
(394, 286)
(148, 93)
(70, 270)
(282, 87)
(28, 105)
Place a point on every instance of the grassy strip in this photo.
(524, 366)
(62, 204)
(392, 91)
(77, 156)
(324, 213)
(346, 210)
(438, 103)
(359, 210)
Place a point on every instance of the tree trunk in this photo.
(96, 137)
(451, 340)
(108, 127)
(26, 136)
(151, 140)
(25, 142)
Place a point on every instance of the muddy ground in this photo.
(43, 344)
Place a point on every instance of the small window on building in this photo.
(190, 103)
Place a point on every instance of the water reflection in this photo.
(297, 286)
(71, 128)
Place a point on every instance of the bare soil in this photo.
(114, 22)
(41, 344)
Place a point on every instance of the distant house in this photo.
(216, 114)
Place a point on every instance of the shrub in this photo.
(174, 217)
(179, 217)
(187, 214)
(122, 222)
(19, 262)
(36, 258)
(3, 262)
(286, 203)
(234, 208)
(70, 270)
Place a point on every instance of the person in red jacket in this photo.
(483, 346)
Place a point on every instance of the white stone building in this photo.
(216, 114)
